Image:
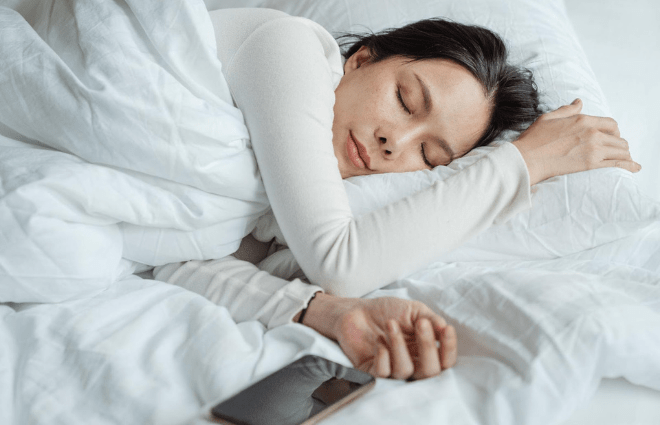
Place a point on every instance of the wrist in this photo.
(300, 317)
(535, 169)
(324, 313)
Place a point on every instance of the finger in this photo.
(631, 166)
(566, 111)
(613, 152)
(428, 360)
(381, 365)
(609, 126)
(439, 323)
(448, 347)
(617, 142)
(439, 326)
(401, 363)
(603, 124)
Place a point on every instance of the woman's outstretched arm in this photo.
(246, 291)
(387, 337)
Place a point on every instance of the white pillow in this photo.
(570, 213)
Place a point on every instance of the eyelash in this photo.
(426, 161)
(403, 105)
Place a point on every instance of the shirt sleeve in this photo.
(246, 291)
(281, 81)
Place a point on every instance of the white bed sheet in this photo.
(618, 402)
(536, 338)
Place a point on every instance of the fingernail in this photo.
(576, 101)
(639, 166)
(424, 325)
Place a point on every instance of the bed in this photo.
(557, 310)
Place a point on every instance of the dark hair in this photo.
(510, 89)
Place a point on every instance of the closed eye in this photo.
(426, 160)
(403, 104)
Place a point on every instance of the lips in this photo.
(357, 153)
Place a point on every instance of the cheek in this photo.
(410, 160)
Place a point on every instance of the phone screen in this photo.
(303, 392)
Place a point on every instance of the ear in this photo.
(357, 59)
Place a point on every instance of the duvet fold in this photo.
(120, 140)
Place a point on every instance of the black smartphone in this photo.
(303, 392)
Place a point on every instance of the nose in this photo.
(385, 149)
(392, 143)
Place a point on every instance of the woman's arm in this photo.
(246, 291)
(281, 81)
(564, 141)
(282, 78)
(387, 337)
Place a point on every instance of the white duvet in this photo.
(96, 101)
(126, 144)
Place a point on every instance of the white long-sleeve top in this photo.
(263, 292)
(282, 72)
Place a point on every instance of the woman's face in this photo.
(398, 115)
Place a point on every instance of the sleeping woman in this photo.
(408, 99)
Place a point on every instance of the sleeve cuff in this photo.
(296, 297)
(515, 177)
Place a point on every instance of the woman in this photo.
(391, 107)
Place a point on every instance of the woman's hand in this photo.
(564, 142)
(387, 337)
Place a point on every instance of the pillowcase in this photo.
(570, 213)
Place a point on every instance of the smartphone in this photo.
(304, 392)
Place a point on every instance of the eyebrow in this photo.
(426, 94)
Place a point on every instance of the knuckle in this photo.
(625, 143)
(593, 146)
(441, 321)
(419, 305)
(592, 162)
(352, 321)
(592, 133)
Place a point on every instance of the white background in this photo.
(622, 41)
